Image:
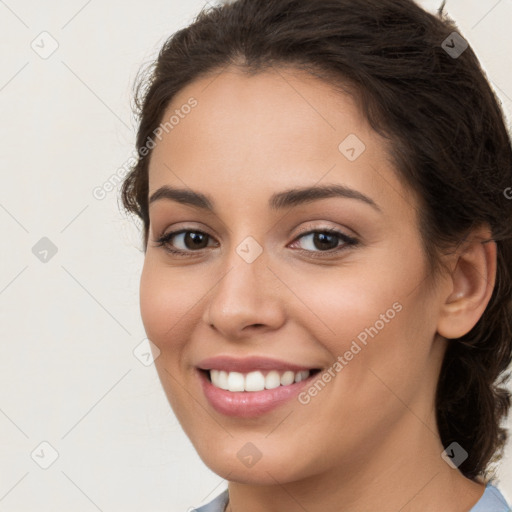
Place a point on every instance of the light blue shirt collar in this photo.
(491, 501)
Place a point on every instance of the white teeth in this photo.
(301, 375)
(255, 381)
(272, 380)
(236, 381)
(287, 378)
(220, 378)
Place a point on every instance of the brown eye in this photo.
(324, 240)
(184, 241)
(195, 240)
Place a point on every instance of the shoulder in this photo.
(216, 505)
(491, 501)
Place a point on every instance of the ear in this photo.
(471, 283)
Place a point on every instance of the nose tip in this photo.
(244, 299)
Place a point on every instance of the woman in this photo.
(328, 254)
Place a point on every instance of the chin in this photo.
(245, 465)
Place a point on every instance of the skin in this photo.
(368, 440)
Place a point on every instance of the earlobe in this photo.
(472, 283)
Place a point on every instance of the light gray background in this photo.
(69, 326)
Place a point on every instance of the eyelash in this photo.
(347, 241)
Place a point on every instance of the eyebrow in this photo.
(277, 201)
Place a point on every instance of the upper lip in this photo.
(248, 364)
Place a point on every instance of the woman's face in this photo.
(255, 293)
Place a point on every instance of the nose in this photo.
(245, 300)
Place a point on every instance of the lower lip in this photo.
(249, 404)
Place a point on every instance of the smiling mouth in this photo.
(256, 380)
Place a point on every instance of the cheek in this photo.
(167, 312)
(379, 316)
(341, 305)
(166, 303)
(379, 350)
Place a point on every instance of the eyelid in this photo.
(344, 239)
(327, 228)
(165, 237)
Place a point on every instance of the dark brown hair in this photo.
(447, 137)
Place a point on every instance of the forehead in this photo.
(266, 131)
(286, 107)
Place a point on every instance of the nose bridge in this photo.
(246, 292)
(246, 280)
